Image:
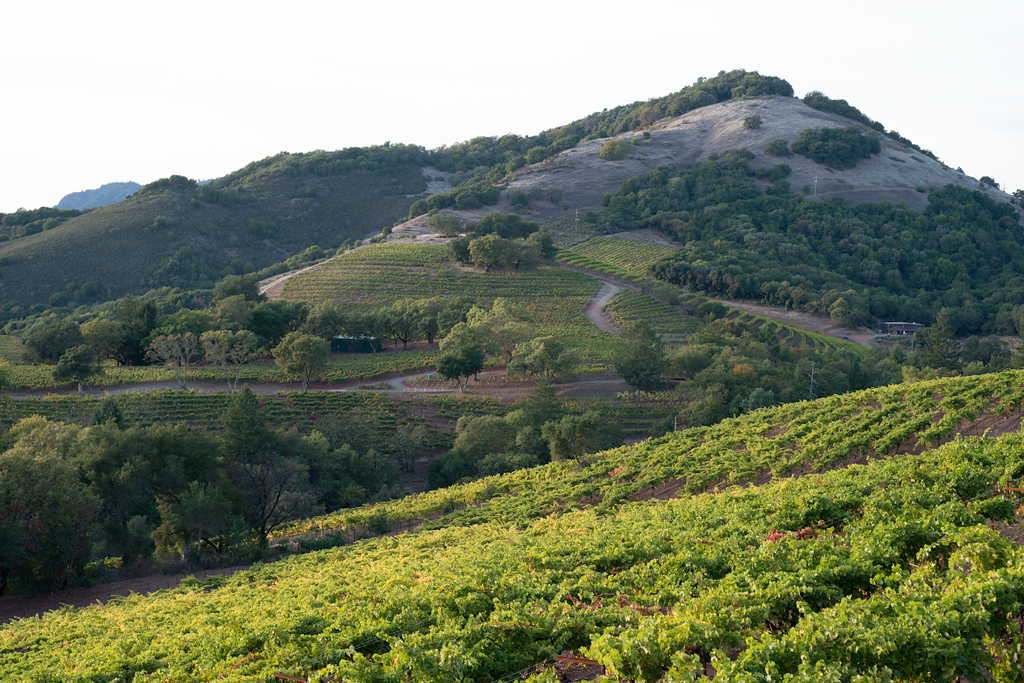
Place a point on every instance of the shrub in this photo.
(838, 147)
(379, 523)
(818, 100)
(518, 199)
(262, 229)
(469, 195)
(615, 150)
(753, 122)
(778, 148)
(445, 224)
(779, 172)
(551, 193)
(324, 543)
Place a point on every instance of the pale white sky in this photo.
(105, 91)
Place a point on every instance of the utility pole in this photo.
(577, 225)
(815, 185)
(810, 393)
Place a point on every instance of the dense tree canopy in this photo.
(837, 147)
(639, 357)
(77, 364)
(302, 355)
(507, 225)
(963, 252)
(818, 100)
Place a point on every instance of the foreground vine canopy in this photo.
(898, 568)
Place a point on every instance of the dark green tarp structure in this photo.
(355, 345)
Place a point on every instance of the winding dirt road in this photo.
(594, 310)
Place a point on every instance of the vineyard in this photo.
(761, 445)
(591, 266)
(796, 336)
(633, 257)
(205, 411)
(896, 569)
(670, 323)
(439, 413)
(382, 274)
(10, 350)
(345, 368)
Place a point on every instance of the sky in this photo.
(110, 91)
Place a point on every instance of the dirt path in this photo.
(273, 287)
(594, 310)
(22, 608)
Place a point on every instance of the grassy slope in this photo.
(345, 368)
(118, 248)
(636, 584)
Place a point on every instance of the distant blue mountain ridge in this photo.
(111, 193)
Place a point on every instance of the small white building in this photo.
(901, 328)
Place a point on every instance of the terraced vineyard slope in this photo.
(796, 438)
(898, 569)
(384, 273)
(633, 256)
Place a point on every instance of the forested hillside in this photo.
(883, 261)
(175, 233)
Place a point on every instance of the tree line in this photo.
(24, 222)
(238, 327)
(502, 240)
(481, 163)
(71, 495)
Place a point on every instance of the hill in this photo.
(894, 175)
(175, 233)
(110, 193)
(897, 568)
(578, 178)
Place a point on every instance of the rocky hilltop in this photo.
(898, 174)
